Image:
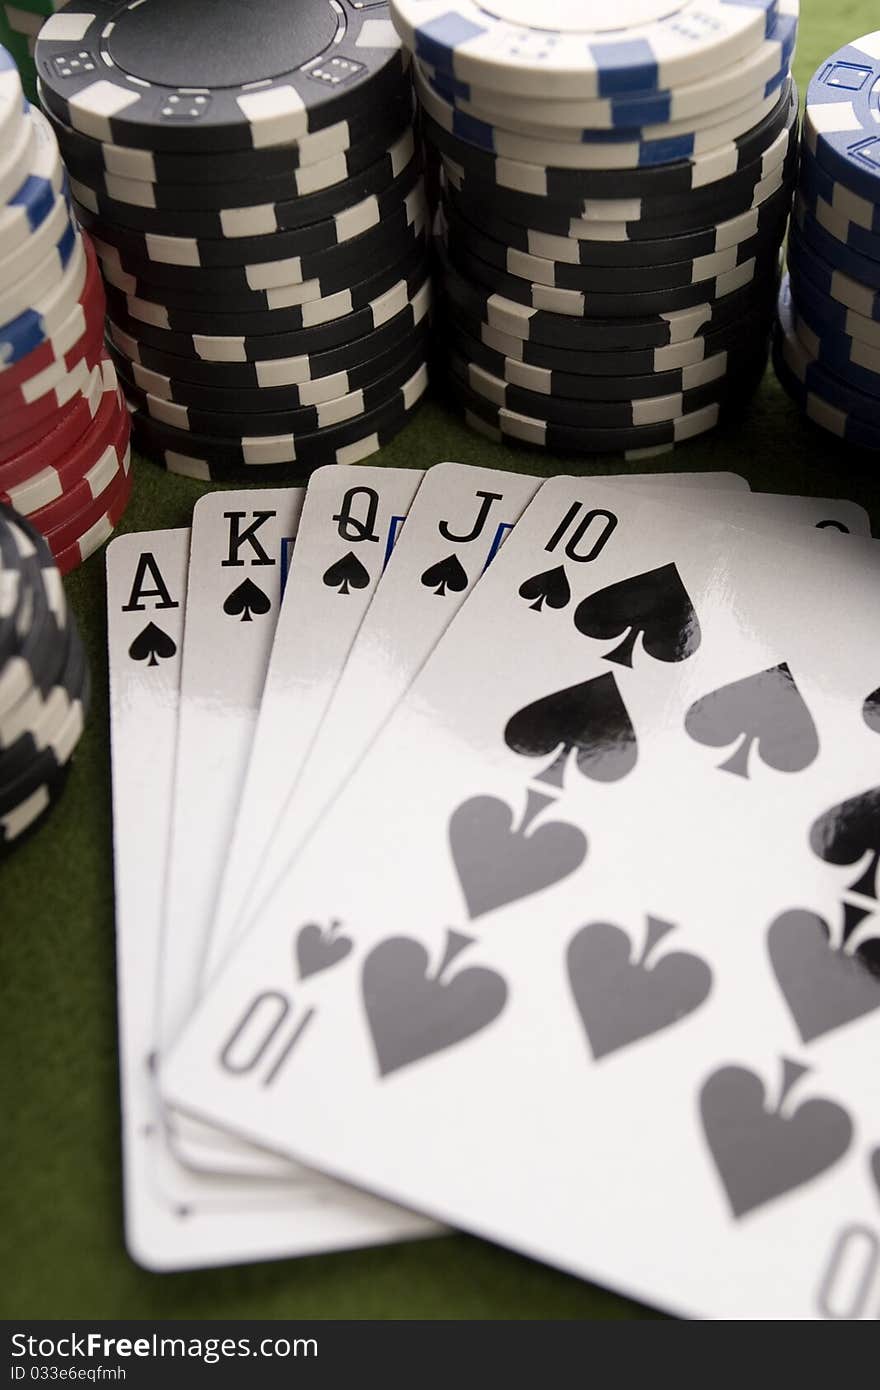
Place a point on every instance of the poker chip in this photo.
(644, 147)
(725, 196)
(647, 379)
(821, 403)
(756, 71)
(586, 276)
(12, 100)
(258, 165)
(295, 359)
(844, 215)
(275, 259)
(162, 76)
(34, 448)
(826, 347)
(60, 408)
(615, 305)
(607, 244)
(609, 362)
(842, 113)
(594, 414)
(636, 48)
(251, 202)
(44, 679)
(16, 158)
(308, 450)
(613, 195)
(245, 181)
(249, 210)
(585, 334)
(562, 438)
(259, 400)
(33, 201)
(228, 423)
(309, 328)
(655, 180)
(831, 249)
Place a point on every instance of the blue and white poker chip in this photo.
(851, 219)
(38, 321)
(826, 244)
(830, 317)
(12, 102)
(760, 72)
(617, 149)
(850, 406)
(36, 197)
(842, 116)
(854, 361)
(524, 49)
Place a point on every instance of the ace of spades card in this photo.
(560, 1025)
(175, 1217)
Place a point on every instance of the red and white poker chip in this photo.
(89, 488)
(98, 532)
(62, 525)
(34, 449)
(56, 480)
(72, 384)
(23, 381)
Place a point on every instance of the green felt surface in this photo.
(61, 1247)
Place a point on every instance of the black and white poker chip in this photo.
(209, 75)
(204, 178)
(589, 278)
(292, 359)
(254, 210)
(227, 421)
(44, 679)
(259, 452)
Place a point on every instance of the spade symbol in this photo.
(589, 719)
(551, 587)
(761, 1153)
(871, 711)
(245, 600)
(766, 709)
(499, 861)
(849, 833)
(318, 949)
(824, 987)
(446, 576)
(347, 574)
(621, 998)
(413, 1013)
(152, 645)
(654, 604)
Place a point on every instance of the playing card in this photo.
(351, 521)
(620, 932)
(400, 628)
(458, 520)
(176, 1219)
(237, 558)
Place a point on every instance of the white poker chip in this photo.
(696, 100)
(12, 101)
(581, 48)
(653, 145)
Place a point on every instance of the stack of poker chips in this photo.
(44, 678)
(614, 186)
(252, 187)
(827, 343)
(64, 428)
(20, 22)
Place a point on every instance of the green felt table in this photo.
(61, 1243)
